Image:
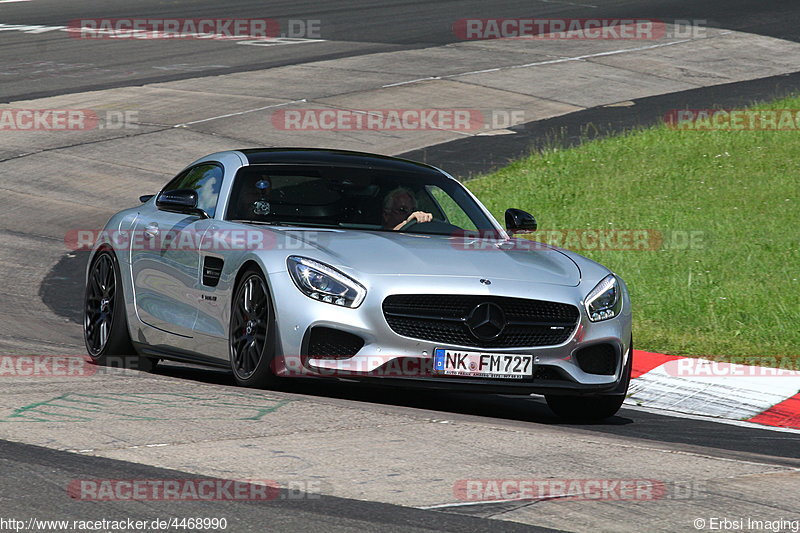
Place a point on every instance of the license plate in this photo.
(482, 365)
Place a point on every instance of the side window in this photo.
(452, 211)
(206, 179)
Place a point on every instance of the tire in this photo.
(105, 324)
(596, 407)
(251, 332)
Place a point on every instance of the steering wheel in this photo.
(408, 224)
(434, 225)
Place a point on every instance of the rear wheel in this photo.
(105, 325)
(251, 337)
(593, 407)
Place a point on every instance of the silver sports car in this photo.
(313, 263)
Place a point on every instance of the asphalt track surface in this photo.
(50, 63)
(736, 441)
(33, 477)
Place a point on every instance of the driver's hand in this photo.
(419, 216)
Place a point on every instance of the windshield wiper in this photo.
(281, 223)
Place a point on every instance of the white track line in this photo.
(579, 58)
(548, 62)
(239, 113)
(567, 3)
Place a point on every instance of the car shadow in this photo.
(508, 407)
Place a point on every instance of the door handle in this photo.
(151, 230)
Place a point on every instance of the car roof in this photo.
(329, 157)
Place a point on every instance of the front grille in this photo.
(329, 343)
(443, 318)
(597, 359)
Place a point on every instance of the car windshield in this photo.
(354, 198)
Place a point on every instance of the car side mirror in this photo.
(519, 221)
(180, 201)
(145, 198)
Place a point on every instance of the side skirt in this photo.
(173, 354)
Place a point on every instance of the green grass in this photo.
(739, 292)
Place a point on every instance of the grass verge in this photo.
(726, 280)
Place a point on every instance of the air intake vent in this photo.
(598, 359)
(547, 373)
(329, 343)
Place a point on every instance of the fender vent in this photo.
(212, 270)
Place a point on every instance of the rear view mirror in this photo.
(180, 201)
(519, 221)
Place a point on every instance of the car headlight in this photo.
(605, 300)
(324, 283)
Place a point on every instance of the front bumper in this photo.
(389, 359)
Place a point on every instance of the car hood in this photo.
(391, 253)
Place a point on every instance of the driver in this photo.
(399, 208)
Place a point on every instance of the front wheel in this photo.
(593, 407)
(105, 325)
(251, 336)
(585, 407)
